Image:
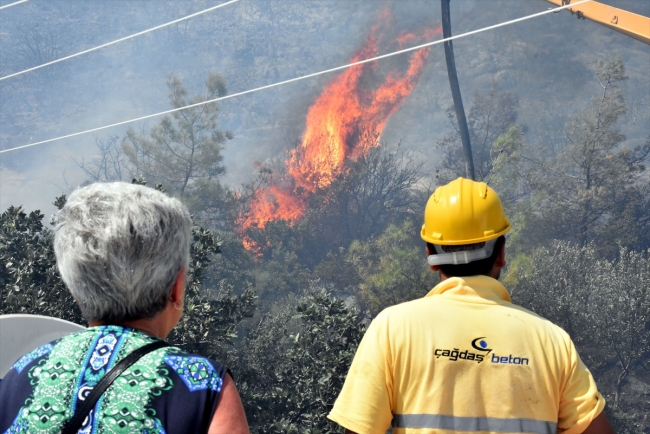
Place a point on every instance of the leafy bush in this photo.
(295, 364)
(605, 306)
(382, 271)
(29, 279)
(30, 283)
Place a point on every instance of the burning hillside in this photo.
(345, 122)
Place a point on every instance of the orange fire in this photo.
(346, 121)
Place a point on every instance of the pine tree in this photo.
(183, 152)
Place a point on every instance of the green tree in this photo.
(183, 151)
(30, 283)
(382, 271)
(489, 117)
(558, 285)
(295, 362)
(281, 274)
(377, 189)
(29, 279)
(234, 264)
(499, 151)
(604, 305)
(210, 315)
(374, 191)
(507, 175)
(618, 313)
(592, 190)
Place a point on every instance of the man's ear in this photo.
(429, 253)
(178, 289)
(501, 258)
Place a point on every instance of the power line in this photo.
(116, 41)
(268, 86)
(12, 4)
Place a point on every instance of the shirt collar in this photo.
(477, 287)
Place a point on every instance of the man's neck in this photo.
(495, 273)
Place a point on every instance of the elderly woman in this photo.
(123, 251)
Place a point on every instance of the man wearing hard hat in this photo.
(464, 358)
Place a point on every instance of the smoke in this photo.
(344, 123)
(259, 42)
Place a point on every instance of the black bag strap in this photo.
(74, 424)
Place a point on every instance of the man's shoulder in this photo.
(406, 311)
(536, 321)
(414, 310)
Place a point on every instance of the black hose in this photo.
(455, 91)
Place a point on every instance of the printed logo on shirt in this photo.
(479, 344)
(482, 351)
(509, 360)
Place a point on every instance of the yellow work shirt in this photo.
(464, 358)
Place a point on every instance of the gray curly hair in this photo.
(119, 248)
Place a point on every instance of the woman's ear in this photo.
(178, 289)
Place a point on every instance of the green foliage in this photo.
(278, 233)
(30, 283)
(282, 274)
(490, 116)
(280, 268)
(620, 301)
(382, 271)
(235, 265)
(29, 278)
(183, 151)
(520, 265)
(210, 316)
(374, 191)
(296, 364)
(209, 321)
(603, 304)
(506, 175)
(592, 190)
(559, 285)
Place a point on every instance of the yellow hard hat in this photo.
(463, 212)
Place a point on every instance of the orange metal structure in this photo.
(631, 24)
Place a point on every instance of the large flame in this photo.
(346, 121)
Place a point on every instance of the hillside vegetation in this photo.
(561, 130)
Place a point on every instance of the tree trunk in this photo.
(619, 383)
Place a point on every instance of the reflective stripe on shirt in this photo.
(456, 423)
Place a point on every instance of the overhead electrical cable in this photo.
(13, 4)
(291, 80)
(117, 41)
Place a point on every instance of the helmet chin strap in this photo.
(461, 257)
